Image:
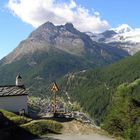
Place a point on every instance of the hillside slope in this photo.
(123, 116)
(94, 89)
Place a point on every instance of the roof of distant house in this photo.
(12, 90)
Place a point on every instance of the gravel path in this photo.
(75, 130)
(78, 137)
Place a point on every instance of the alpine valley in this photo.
(95, 70)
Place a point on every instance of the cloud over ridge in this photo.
(37, 12)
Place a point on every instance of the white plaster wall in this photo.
(14, 103)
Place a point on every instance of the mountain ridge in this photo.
(123, 37)
(64, 37)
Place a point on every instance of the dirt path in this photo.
(75, 130)
(76, 127)
(79, 137)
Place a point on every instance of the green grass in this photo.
(8, 114)
(35, 127)
(14, 117)
(42, 127)
(20, 120)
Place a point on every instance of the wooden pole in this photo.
(54, 103)
(54, 89)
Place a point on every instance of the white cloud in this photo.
(37, 12)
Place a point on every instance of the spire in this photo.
(19, 80)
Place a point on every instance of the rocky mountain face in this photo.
(123, 37)
(64, 38)
(52, 51)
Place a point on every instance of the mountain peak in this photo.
(69, 25)
(48, 25)
(123, 28)
(64, 38)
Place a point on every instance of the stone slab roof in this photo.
(12, 90)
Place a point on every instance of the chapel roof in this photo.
(12, 90)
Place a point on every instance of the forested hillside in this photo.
(95, 89)
(123, 117)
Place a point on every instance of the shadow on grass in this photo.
(60, 119)
(10, 131)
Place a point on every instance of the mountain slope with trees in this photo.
(95, 89)
(123, 116)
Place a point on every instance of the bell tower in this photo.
(19, 80)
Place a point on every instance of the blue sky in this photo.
(18, 18)
(116, 12)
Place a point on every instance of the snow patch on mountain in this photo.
(123, 37)
(123, 29)
(126, 34)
